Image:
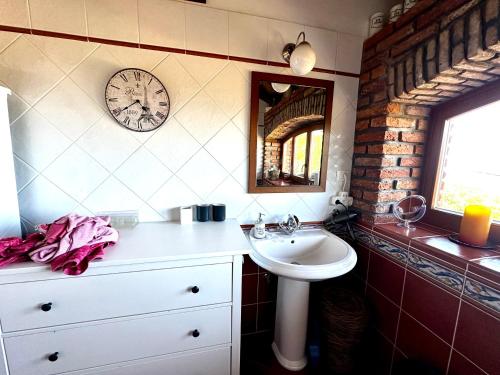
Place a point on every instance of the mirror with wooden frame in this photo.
(290, 121)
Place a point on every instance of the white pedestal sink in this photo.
(305, 256)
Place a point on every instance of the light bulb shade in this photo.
(280, 87)
(302, 59)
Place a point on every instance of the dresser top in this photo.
(164, 241)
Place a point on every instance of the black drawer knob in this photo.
(196, 333)
(195, 289)
(46, 307)
(53, 357)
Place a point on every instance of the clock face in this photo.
(137, 100)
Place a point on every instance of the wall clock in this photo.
(137, 100)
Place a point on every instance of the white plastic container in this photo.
(395, 12)
(377, 22)
(186, 214)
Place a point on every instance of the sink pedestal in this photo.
(291, 323)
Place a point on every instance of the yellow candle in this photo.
(475, 226)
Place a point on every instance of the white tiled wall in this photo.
(71, 156)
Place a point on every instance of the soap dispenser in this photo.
(259, 229)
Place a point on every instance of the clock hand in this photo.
(130, 105)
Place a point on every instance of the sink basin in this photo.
(308, 255)
(305, 256)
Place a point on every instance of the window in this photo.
(302, 155)
(462, 163)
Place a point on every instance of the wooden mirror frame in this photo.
(257, 77)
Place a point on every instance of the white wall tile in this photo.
(14, 13)
(112, 195)
(76, 173)
(279, 34)
(27, 71)
(137, 58)
(70, 110)
(162, 23)
(229, 147)
(324, 43)
(202, 69)
(201, 117)
(61, 16)
(349, 52)
(36, 141)
(247, 36)
(232, 195)
(111, 19)
(24, 173)
(206, 29)
(7, 39)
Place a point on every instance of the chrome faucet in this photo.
(290, 225)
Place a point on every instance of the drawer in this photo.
(81, 299)
(115, 342)
(211, 362)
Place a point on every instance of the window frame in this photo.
(429, 180)
(307, 129)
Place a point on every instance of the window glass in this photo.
(299, 154)
(287, 157)
(315, 156)
(469, 170)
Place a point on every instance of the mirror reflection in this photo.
(290, 129)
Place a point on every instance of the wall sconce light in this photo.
(300, 56)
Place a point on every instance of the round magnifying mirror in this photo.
(409, 210)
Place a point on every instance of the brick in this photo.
(476, 75)
(449, 87)
(379, 58)
(376, 136)
(363, 78)
(399, 85)
(422, 124)
(391, 149)
(363, 101)
(378, 121)
(394, 108)
(402, 33)
(458, 54)
(416, 137)
(429, 98)
(473, 83)
(362, 125)
(371, 184)
(457, 32)
(437, 12)
(378, 72)
(360, 149)
(444, 61)
(431, 69)
(373, 86)
(411, 162)
(391, 75)
(372, 208)
(452, 16)
(419, 67)
(357, 193)
(475, 51)
(382, 218)
(448, 79)
(425, 92)
(368, 53)
(414, 39)
(417, 9)
(380, 96)
(384, 196)
(415, 172)
(374, 162)
(372, 111)
(477, 66)
(400, 122)
(388, 173)
(430, 49)
(409, 83)
(448, 94)
(491, 38)
(406, 184)
(376, 38)
(358, 172)
(419, 150)
(491, 10)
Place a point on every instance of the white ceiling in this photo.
(350, 16)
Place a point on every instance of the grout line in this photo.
(86, 18)
(454, 335)
(28, 5)
(399, 320)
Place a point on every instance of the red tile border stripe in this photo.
(53, 34)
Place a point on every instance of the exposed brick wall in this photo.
(272, 155)
(435, 52)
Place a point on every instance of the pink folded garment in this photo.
(72, 232)
(76, 262)
(15, 250)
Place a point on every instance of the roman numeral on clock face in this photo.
(137, 76)
(117, 111)
(126, 121)
(159, 91)
(160, 115)
(112, 99)
(124, 77)
(163, 104)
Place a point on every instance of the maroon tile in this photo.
(361, 268)
(417, 342)
(385, 313)
(364, 225)
(249, 266)
(460, 365)
(488, 268)
(268, 286)
(405, 235)
(249, 293)
(443, 248)
(478, 337)
(248, 319)
(113, 42)
(377, 356)
(248, 60)
(266, 313)
(386, 276)
(206, 54)
(431, 305)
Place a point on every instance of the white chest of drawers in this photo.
(165, 301)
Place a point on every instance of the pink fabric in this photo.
(76, 262)
(15, 250)
(72, 232)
